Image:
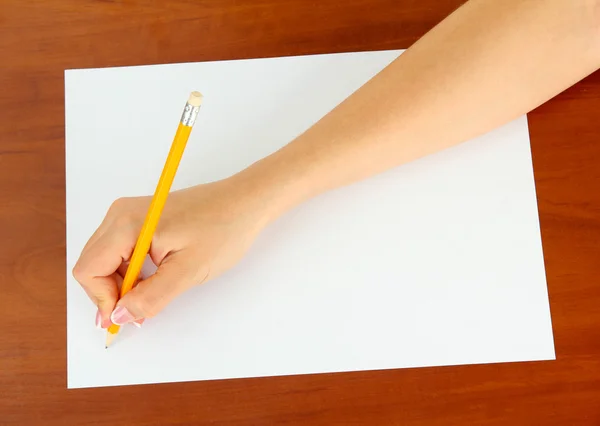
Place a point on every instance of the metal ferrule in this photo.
(188, 118)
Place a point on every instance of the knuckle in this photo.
(79, 272)
(118, 212)
(193, 268)
(124, 214)
(148, 305)
(118, 205)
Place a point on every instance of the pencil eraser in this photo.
(195, 99)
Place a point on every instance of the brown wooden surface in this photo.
(41, 38)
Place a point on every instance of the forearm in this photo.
(484, 65)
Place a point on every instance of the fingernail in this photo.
(137, 324)
(98, 319)
(121, 316)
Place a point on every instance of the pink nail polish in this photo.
(121, 316)
(98, 319)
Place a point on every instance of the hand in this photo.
(203, 231)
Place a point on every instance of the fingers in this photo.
(104, 295)
(151, 295)
(96, 271)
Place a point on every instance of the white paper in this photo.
(438, 262)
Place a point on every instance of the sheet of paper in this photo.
(438, 262)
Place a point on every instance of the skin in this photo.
(486, 64)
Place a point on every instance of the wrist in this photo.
(271, 186)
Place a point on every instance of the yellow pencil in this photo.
(158, 200)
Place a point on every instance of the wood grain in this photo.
(41, 38)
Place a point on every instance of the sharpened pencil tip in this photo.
(109, 339)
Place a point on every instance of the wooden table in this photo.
(41, 38)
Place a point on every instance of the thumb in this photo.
(151, 295)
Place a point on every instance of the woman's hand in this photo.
(203, 231)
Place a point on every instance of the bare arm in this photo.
(487, 63)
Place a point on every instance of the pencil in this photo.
(159, 199)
